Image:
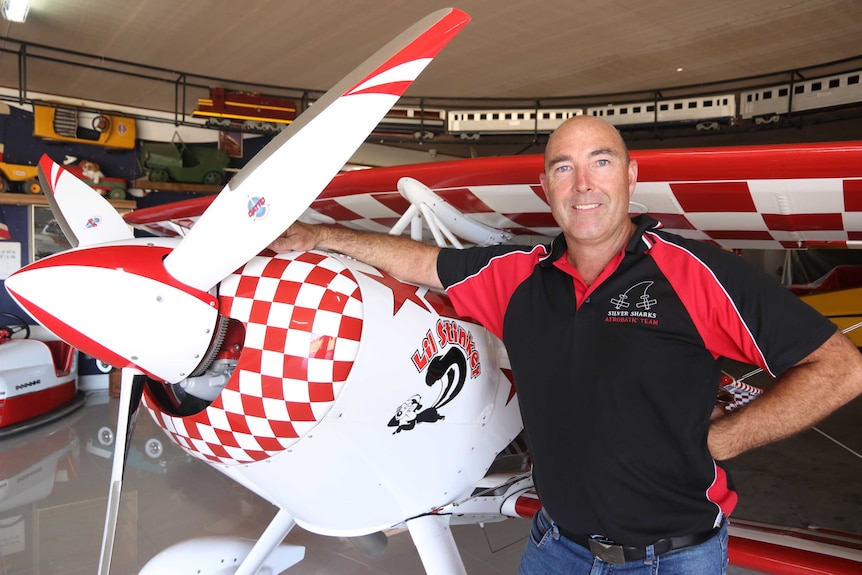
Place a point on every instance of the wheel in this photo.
(213, 178)
(33, 186)
(219, 122)
(4, 185)
(101, 123)
(153, 448)
(158, 175)
(105, 436)
(10, 328)
(770, 119)
(117, 194)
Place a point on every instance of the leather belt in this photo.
(607, 550)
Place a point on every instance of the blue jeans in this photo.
(549, 553)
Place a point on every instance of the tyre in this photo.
(101, 123)
(105, 436)
(33, 186)
(213, 178)
(153, 448)
(158, 175)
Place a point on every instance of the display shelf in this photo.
(144, 183)
(14, 199)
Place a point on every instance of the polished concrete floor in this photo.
(54, 482)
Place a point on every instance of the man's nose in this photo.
(583, 182)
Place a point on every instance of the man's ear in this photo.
(633, 176)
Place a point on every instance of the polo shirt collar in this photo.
(643, 222)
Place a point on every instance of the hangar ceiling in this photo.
(522, 49)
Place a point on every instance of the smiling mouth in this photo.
(586, 206)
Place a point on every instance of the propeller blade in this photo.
(131, 389)
(85, 217)
(279, 184)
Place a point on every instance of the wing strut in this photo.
(442, 219)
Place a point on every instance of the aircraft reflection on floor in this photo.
(52, 498)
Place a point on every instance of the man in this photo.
(614, 332)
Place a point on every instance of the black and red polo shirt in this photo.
(616, 382)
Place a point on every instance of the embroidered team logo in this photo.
(635, 305)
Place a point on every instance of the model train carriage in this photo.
(469, 124)
(706, 112)
(421, 123)
(765, 105)
(245, 110)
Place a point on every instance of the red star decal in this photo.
(511, 378)
(401, 292)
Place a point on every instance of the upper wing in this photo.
(765, 197)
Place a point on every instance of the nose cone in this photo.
(118, 304)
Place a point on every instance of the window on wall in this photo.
(46, 237)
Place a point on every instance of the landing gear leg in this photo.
(269, 540)
(436, 545)
(217, 555)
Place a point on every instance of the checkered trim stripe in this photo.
(756, 213)
(765, 214)
(303, 319)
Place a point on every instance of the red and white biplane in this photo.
(311, 369)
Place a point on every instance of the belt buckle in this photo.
(608, 552)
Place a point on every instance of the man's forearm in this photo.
(830, 377)
(401, 257)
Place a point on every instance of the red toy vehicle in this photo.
(37, 375)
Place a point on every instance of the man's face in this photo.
(588, 180)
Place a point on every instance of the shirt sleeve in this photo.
(480, 281)
(741, 312)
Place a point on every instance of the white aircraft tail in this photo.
(85, 217)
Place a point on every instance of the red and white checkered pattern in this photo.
(762, 214)
(303, 318)
(768, 197)
(740, 392)
(756, 214)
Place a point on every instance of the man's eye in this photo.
(563, 168)
(602, 163)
